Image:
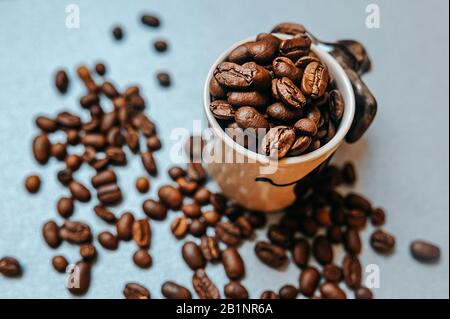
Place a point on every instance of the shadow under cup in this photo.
(253, 180)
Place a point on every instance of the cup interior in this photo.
(342, 82)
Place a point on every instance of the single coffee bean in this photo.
(193, 256)
(332, 273)
(233, 263)
(295, 47)
(142, 184)
(382, 242)
(352, 242)
(254, 99)
(105, 214)
(378, 217)
(154, 209)
(75, 232)
(108, 240)
(171, 290)
(268, 295)
(170, 196)
(290, 94)
(315, 80)
(331, 290)
(68, 120)
(249, 118)
(309, 280)
(142, 258)
(288, 292)
(272, 255)
(228, 233)
(192, 210)
(135, 291)
(60, 264)
(50, 232)
(164, 79)
(41, 149)
(357, 219)
(359, 202)
(278, 141)
(61, 81)
(82, 275)
(301, 253)
(153, 143)
(59, 151)
(109, 194)
(149, 163)
(79, 192)
(352, 271)
(280, 236)
(150, 20)
(33, 184)
(203, 286)
(46, 124)
(142, 234)
(124, 226)
(210, 249)
(212, 217)
(160, 46)
(197, 228)
(235, 290)
(306, 127)
(180, 227)
(244, 223)
(118, 33)
(10, 267)
(289, 28)
(100, 68)
(363, 293)
(88, 252)
(65, 207)
(425, 252)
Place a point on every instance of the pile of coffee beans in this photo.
(280, 93)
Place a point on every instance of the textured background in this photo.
(403, 161)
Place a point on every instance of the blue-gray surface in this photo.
(403, 161)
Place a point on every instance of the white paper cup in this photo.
(246, 182)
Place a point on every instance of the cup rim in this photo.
(339, 75)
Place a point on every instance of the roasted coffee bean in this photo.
(233, 263)
(192, 210)
(268, 295)
(258, 220)
(382, 242)
(290, 94)
(334, 234)
(249, 118)
(301, 253)
(295, 47)
(279, 112)
(218, 201)
(153, 144)
(228, 233)
(50, 232)
(180, 227)
(332, 273)
(142, 234)
(142, 184)
(272, 255)
(41, 149)
(197, 228)
(171, 290)
(65, 207)
(79, 192)
(212, 217)
(235, 290)
(352, 242)
(322, 250)
(331, 290)
(203, 286)
(142, 258)
(46, 124)
(193, 256)
(150, 20)
(378, 217)
(244, 223)
(88, 252)
(222, 110)
(131, 139)
(309, 280)
(118, 33)
(170, 196)
(68, 120)
(363, 293)
(154, 209)
(108, 240)
(81, 275)
(278, 141)
(352, 271)
(105, 214)
(59, 151)
(315, 80)
(149, 163)
(353, 200)
(33, 184)
(135, 291)
(288, 292)
(280, 236)
(202, 196)
(425, 252)
(103, 178)
(164, 79)
(253, 99)
(240, 77)
(60, 264)
(61, 81)
(284, 67)
(301, 144)
(289, 28)
(306, 127)
(210, 249)
(124, 226)
(10, 267)
(75, 232)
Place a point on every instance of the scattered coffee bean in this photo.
(425, 252)
(171, 290)
(135, 291)
(142, 258)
